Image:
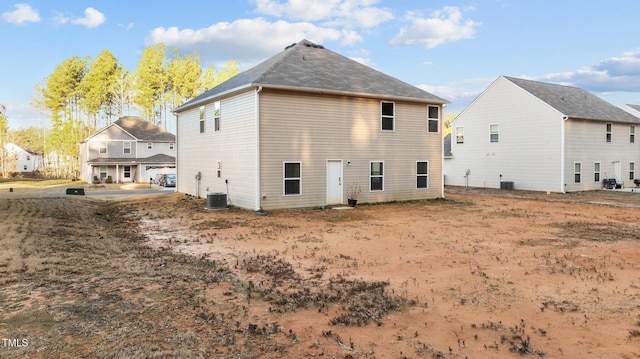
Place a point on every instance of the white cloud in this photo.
(245, 40)
(23, 13)
(92, 18)
(614, 74)
(128, 26)
(446, 25)
(60, 19)
(349, 13)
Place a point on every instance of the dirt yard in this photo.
(480, 274)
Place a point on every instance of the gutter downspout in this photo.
(562, 153)
(258, 205)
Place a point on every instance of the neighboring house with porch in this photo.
(543, 137)
(300, 128)
(22, 160)
(131, 149)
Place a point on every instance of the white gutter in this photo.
(308, 90)
(257, 122)
(562, 153)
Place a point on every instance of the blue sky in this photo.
(453, 49)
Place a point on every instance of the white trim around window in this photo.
(577, 172)
(422, 174)
(126, 147)
(596, 172)
(103, 148)
(292, 178)
(376, 176)
(494, 132)
(387, 116)
(433, 119)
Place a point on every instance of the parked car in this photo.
(156, 179)
(167, 180)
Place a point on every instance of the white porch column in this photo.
(117, 173)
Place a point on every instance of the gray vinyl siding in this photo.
(586, 143)
(234, 146)
(529, 148)
(313, 128)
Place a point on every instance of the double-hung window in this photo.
(202, 117)
(292, 178)
(127, 171)
(422, 174)
(149, 145)
(459, 134)
(387, 114)
(632, 133)
(596, 172)
(126, 147)
(102, 147)
(577, 171)
(216, 116)
(494, 132)
(608, 133)
(376, 176)
(632, 170)
(433, 120)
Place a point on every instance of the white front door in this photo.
(617, 170)
(334, 181)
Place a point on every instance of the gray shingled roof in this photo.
(635, 107)
(307, 66)
(159, 158)
(574, 102)
(144, 130)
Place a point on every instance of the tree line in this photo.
(83, 95)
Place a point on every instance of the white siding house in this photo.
(22, 160)
(541, 137)
(302, 127)
(131, 149)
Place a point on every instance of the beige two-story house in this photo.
(131, 149)
(303, 128)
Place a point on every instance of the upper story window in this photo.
(433, 119)
(28, 158)
(494, 132)
(172, 145)
(149, 145)
(608, 135)
(459, 134)
(102, 147)
(632, 133)
(216, 116)
(387, 114)
(202, 116)
(126, 147)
